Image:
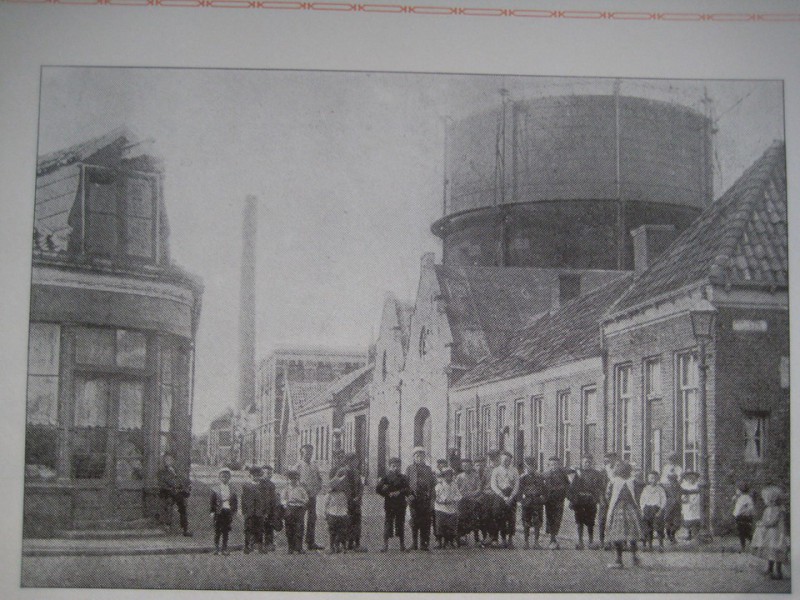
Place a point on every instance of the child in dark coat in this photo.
(394, 488)
(224, 504)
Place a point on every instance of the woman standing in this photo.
(624, 525)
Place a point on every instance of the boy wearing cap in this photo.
(422, 484)
(223, 504)
(533, 491)
(294, 499)
(585, 492)
(447, 499)
(394, 488)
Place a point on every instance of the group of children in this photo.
(483, 503)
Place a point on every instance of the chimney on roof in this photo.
(648, 242)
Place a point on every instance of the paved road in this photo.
(466, 570)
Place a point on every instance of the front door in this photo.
(108, 447)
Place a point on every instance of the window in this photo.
(470, 450)
(41, 435)
(519, 432)
(538, 419)
(624, 403)
(129, 439)
(502, 428)
(90, 427)
(458, 432)
(755, 432)
(423, 340)
(687, 403)
(564, 428)
(652, 378)
(105, 347)
(652, 410)
(120, 213)
(589, 420)
(384, 370)
(486, 417)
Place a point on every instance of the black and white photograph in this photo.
(307, 330)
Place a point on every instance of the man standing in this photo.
(394, 488)
(557, 486)
(585, 493)
(311, 480)
(422, 484)
(173, 489)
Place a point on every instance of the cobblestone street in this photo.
(465, 570)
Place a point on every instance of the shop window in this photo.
(105, 347)
(130, 441)
(41, 433)
(90, 433)
(131, 349)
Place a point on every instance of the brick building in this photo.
(112, 329)
(543, 395)
(735, 257)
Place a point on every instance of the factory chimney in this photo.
(247, 307)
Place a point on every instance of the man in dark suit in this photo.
(173, 489)
(257, 502)
(557, 485)
(422, 484)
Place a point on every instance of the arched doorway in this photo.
(422, 429)
(383, 430)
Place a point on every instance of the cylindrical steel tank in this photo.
(560, 181)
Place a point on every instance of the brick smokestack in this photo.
(247, 306)
(648, 242)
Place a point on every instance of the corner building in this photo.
(111, 347)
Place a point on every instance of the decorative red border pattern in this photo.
(442, 11)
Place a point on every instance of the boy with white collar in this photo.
(224, 504)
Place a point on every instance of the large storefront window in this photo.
(41, 435)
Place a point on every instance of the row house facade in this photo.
(618, 369)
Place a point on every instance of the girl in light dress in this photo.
(624, 524)
(770, 541)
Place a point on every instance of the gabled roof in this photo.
(359, 400)
(569, 334)
(58, 180)
(740, 240)
(308, 396)
(305, 395)
(486, 306)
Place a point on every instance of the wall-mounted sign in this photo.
(750, 325)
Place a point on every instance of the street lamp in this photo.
(703, 315)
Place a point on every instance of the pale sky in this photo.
(348, 171)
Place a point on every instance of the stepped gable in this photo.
(740, 240)
(569, 334)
